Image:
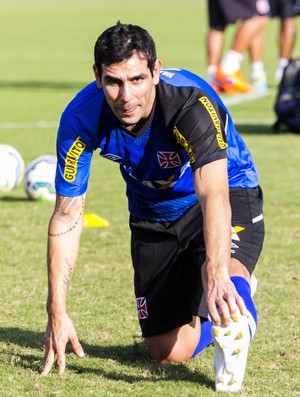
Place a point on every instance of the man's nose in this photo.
(126, 92)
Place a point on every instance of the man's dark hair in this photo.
(120, 42)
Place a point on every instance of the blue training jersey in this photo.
(189, 127)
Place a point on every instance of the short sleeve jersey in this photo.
(189, 127)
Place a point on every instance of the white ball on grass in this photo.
(11, 168)
(39, 178)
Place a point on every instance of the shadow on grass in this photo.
(40, 85)
(133, 355)
(24, 199)
(15, 199)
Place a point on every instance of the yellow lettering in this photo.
(215, 119)
(183, 142)
(72, 157)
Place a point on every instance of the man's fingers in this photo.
(214, 313)
(222, 309)
(61, 354)
(61, 360)
(48, 363)
(60, 331)
(234, 300)
(241, 304)
(230, 299)
(225, 313)
(77, 347)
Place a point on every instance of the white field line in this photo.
(240, 98)
(59, 57)
(228, 101)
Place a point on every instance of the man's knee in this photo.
(166, 352)
(176, 345)
(236, 268)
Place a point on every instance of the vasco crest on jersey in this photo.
(168, 159)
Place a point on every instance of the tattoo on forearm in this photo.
(64, 212)
(68, 275)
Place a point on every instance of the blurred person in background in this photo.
(284, 9)
(225, 75)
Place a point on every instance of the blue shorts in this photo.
(168, 256)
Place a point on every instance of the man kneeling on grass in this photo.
(194, 202)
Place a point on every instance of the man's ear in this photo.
(156, 71)
(97, 77)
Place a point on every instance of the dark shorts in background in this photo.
(224, 12)
(282, 8)
(167, 260)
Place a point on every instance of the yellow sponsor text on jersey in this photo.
(72, 159)
(184, 143)
(213, 114)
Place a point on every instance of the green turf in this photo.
(46, 57)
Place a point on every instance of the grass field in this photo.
(46, 56)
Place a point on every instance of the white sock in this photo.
(231, 61)
(210, 72)
(257, 70)
(281, 64)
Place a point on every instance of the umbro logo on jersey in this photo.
(168, 159)
(112, 157)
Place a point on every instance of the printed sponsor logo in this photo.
(234, 247)
(167, 73)
(183, 142)
(215, 119)
(141, 305)
(72, 157)
(168, 159)
(234, 232)
(112, 157)
(234, 237)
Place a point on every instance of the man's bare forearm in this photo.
(217, 233)
(214, 200)
(63, 243)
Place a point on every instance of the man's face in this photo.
(129, 89)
